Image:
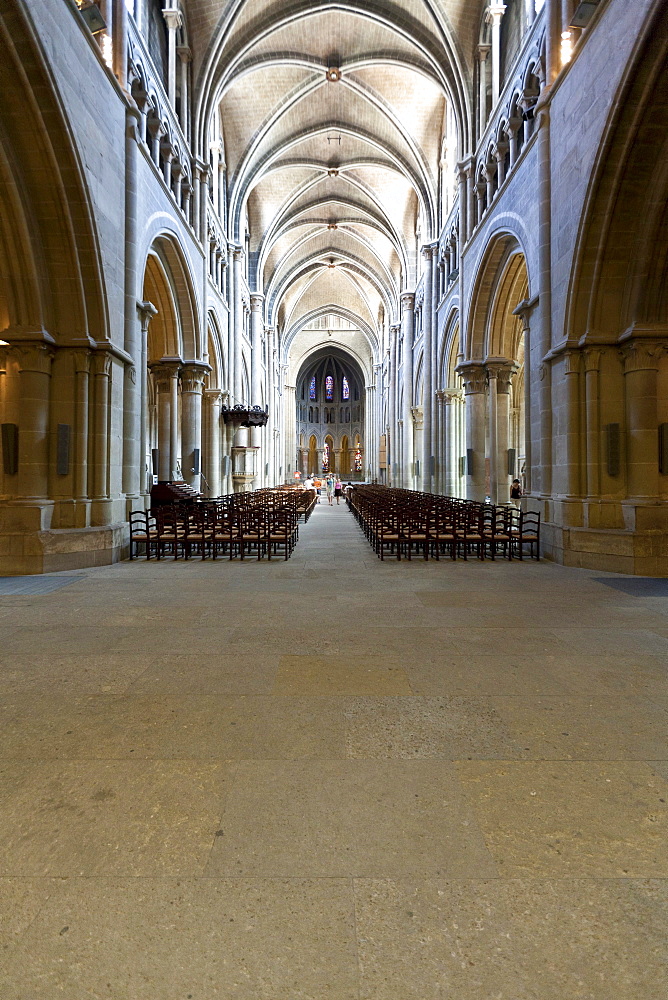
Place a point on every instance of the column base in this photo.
(613, 536)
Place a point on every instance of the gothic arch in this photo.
(53, 280)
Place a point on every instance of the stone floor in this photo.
(333, 779)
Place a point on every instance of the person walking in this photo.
(338, 490)
(329, 489)
(516, 492)
(317, 483)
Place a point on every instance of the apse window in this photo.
(329, 388)
(311, 391)
(345, 389)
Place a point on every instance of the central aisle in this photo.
(333, 778)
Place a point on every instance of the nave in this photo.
(333, 777)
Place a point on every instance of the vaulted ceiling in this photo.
(332, 116)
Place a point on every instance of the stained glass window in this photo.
(358, 460)
(345, 389)
(329, 388)
(325, 459)
(311, 391)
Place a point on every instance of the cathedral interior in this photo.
(419, 244)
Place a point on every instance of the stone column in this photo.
(503, 383)
(592, 362)
(290, 431)
(146, 311)
(81, 361)
(237, 327)
(213, 398)
(552, 40)
(496, 11)
(427, 366)
(470, 205)
(451, 404)
(474, 377)
(492, 427)
(101, 370)
(483, 52)
(407, 322)
(174, 20)
(132, 330)
(165, 376)
(392, 435)
(27, 384)
(513, 127)
(193, 375)
(641, 364)
(120, 41)
(544, 341)
(572, 423)
(256, 329)
(185, 56)
(462, 173)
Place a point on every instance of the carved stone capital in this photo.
(30, 357)
(572, 362)
(256, 300)
(418, 416)
(173, 19)
(193, 377)
(641, 355)
(592, 359)
(101, 364)
(164, 372)
(214, 397)
(473, 375)
(407, 301)
(81, 361)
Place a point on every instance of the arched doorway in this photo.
(330, 407)
(313, 469)
(345, 465)
(497, 445)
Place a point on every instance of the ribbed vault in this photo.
(330, 116)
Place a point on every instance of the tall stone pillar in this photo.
(451, 399)
(393, 429)
(462, 174)
(407, 322)
(81, 363)
(174, 20)
(641, 364)
(572, 364)
(146, 311)
(492, 429)
(503, 383)
(101, 370)
(237, 326)
(256, 329)
(185, 57)
(483, 52)
(132, 327)
(474, 377)
(290, 432)
(592, 363)
(543, 345)
(193, 375)
(212, 456)
(496, 11)
(165, 376)
(120, 41)
(427, 370)
(27, 389)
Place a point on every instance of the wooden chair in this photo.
(143, 534)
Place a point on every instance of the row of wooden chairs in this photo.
(403, 523)
(266, 526)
